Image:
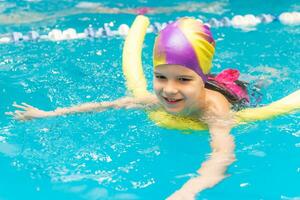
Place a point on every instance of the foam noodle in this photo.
(283, 106)
(132, 53)
(137, 85)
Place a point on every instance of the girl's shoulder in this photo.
(216, 103)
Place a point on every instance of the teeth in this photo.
(168, 99)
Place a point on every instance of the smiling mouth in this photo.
(172, 101)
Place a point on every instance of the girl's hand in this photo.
(28, 112)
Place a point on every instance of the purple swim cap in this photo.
(186, 42)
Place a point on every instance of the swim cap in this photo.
(186, 42)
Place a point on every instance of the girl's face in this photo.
(179, 89)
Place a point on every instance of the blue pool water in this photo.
(120, 154)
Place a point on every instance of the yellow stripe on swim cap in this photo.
(159, 57)
(195, 34)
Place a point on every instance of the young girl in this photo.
(183, 54)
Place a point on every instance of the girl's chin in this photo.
(174, 111)
(180, 112)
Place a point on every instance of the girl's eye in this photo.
(184, 79)
(160, 77)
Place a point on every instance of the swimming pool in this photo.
(121, 154)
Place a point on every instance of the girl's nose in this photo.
(170, 88)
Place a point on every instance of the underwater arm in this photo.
(212, 171)
(29, 112)
(219, 120)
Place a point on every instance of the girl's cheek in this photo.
(192, 93)
(156, 86)
(189, 89)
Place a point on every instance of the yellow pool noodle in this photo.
(132, 57)
(137, 85)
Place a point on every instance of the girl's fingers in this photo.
(27, 105)
(17, 112)
(19, 106)
(9, 113)
(19, 115)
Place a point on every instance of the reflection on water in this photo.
(22, 16)
(9, 149)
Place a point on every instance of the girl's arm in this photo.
(28, 112)
(220, 121)
(212, 171)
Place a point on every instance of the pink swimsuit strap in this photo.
(227, 78)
